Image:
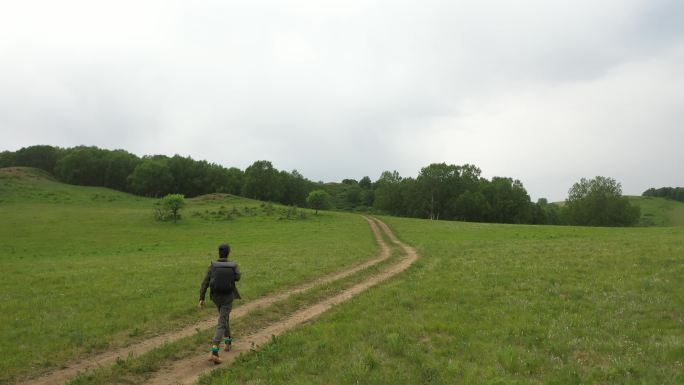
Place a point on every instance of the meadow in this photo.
(659, 211)
(86, 269)
(499, 304)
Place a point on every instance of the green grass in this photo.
(138, 369)
(88, 268)
(499, 304)
(659, 211)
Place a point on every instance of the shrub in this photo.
(318, 200)
(169, 207)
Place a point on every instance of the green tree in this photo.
(119, 164)
(187, 175)
(676, 193)
(367, 198)
(545, 213)
(508, 201)
(439, 185)
(170, 206)
(472, 206)
(7, 159)
(293, 188)
(318, 200)
(388, 193)
(42, 156)
(365, 183)
(83, 166)
(261, 182)
(151, 177)
(224, 180)
(599, 202)
(352, 196)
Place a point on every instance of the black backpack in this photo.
(222, 277)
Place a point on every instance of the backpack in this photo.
(222, 279)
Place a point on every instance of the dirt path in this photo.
(72, 369)
(188, 370)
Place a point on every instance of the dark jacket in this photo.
(220, 299)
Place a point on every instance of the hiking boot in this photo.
(215, 358)
(229, 344)
(214, 355)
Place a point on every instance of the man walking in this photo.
(221, 278)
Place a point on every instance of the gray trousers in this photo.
(223, 325)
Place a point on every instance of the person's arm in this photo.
(237, 273)
(205, 285)
(236, 293)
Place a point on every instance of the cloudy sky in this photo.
(542, 91)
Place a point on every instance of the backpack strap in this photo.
(220, 264)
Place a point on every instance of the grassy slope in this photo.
(659, 211)
(84, 268)
(500, 304)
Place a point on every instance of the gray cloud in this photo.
(546, 92)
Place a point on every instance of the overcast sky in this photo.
(542, 91)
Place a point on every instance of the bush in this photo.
(318, 200)
(169, 207)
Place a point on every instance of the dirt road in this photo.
(187, 371)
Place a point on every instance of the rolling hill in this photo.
(659, 211)
(90, 268)
(483, 303)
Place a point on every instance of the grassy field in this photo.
(499, 304)
(88, 268)
(659, 211)
(138, 369)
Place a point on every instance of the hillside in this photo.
(32, 185)
(483, 303)
(659, 211)
(655, 211)
(111, 274)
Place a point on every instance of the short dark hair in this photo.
(224, 250)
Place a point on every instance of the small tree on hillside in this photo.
(599, 202)
(318, 200)
(169, 207)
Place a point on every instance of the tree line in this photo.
(459, 192)
(440, 191)
(159, 175)
(674, 193)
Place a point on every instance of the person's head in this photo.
(224, 250)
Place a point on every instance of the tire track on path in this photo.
(189, 370)
(108, 358)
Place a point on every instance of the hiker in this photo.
(221, 278)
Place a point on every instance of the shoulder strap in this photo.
(219, 264)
